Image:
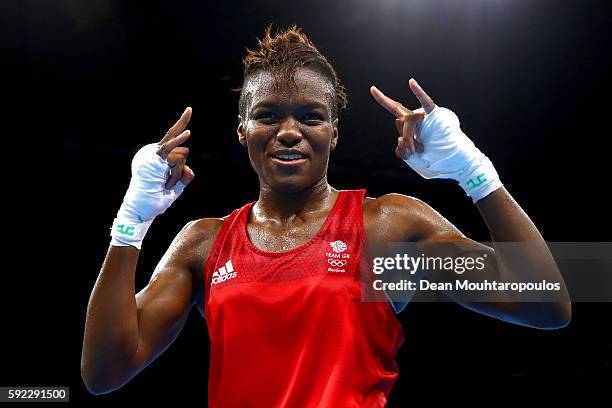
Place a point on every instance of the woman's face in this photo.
(289, 131)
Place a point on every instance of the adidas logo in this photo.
(224, 273)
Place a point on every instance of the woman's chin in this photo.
(290, 185)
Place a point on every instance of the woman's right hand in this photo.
(159, 175)
(176, 156)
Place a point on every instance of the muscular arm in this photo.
(125, 332)
(413, 220)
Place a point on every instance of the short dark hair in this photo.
(281, 55)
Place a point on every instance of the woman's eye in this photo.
(311, 117)
(266, 115)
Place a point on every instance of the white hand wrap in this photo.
(146, 197)
(449, 153)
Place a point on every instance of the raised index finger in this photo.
(178, 127)
(394, 107)
(426, 102)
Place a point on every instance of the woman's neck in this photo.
(283, 207)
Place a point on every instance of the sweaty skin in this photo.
(124, 333)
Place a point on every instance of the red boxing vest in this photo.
(289, 329)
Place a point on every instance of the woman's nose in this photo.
(289, 134)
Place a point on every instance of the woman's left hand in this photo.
(405, 119)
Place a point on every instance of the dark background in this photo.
(90, 82)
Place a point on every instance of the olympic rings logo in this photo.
(336, 262)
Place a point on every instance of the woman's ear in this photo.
(240, 132)
(334, 139)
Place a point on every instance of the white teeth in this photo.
(289, 156)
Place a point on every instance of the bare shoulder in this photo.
(397, 217)
(193, 243)
(198, 236)
(197, 232)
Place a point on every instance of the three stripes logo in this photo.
(224, 273)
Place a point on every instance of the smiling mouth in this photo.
(289, 159)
